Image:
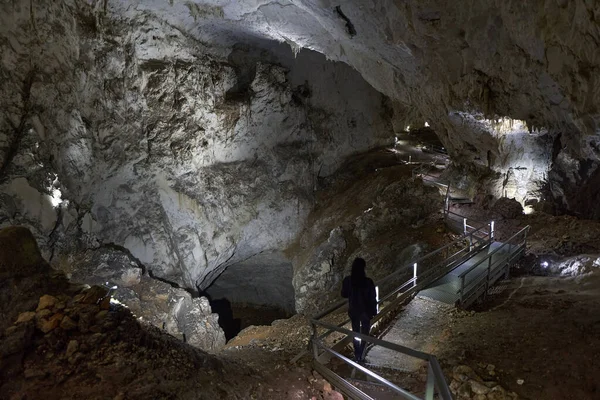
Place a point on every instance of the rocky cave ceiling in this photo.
(472, 70)
(189, 135)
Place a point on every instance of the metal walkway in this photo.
(458, 273)
(459, 286)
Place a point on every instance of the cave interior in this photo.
(218, 166)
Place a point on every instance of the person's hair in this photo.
(358, 271)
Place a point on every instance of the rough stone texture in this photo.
(188, 313)
(467, 385)
(161, 305)
(167, 307)
(187, 157)
(462, 69)
(180, 132)
(507, 208)
(575, 266)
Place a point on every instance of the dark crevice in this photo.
(52, 236)
(114, 246)
(145, 270)
(556, 147)
(349, 25)
(175, 285)
(19, 130)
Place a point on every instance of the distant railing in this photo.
(498, 261)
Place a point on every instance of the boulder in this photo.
(507, 208)
(46, 301)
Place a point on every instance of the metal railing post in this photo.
(487, 280)
(447, 201)
(430, 386)
(315, 347)
(492, 230)
(415, 274)
(464, 226)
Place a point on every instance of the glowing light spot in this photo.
(368, 210)
(117, 302)
(55, 193)
(544, 264)
(55, 197)
(377, 297)
(426, 124)
(528, 210)
(407, 128)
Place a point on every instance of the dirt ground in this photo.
(544, 331)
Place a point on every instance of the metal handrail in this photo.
(484, 279)
(431, 274)
(404, 268)
(438, 382)
(526, 229)
(478, 238)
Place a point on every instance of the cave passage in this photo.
(256, 291)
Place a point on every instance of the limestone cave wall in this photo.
(126, 142)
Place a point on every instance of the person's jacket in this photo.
(362, 299)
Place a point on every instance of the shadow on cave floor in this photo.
(233, 318)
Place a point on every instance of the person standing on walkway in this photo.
(362, 303)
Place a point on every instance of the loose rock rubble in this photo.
(467, 385)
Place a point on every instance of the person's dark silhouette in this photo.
(362, 303)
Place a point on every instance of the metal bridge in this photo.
(458, 273)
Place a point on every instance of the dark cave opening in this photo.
(235, 317)
(256, 291)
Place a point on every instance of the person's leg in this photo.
(356, 325)
(365, 327)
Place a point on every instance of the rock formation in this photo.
(126, 137)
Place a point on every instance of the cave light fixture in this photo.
(426, 124)
(528, 210)
(544, 264)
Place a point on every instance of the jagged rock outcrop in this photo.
(189, 158)
(69, 337)
(151, 300)
(25, 276)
